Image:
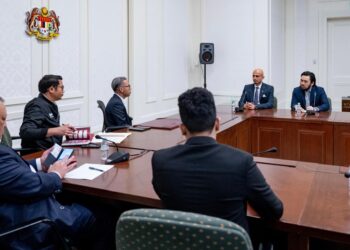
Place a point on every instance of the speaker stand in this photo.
(205, 76)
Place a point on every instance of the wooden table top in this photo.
(315, 196)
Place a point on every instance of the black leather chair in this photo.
(63, 244)
(7, 139)
(105, 127)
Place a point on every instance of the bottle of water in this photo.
(298, 109)
(104, 150)
(233, 105)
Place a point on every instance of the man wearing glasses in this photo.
(116, 113)
(41, 127)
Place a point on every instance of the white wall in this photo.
(277, 48)
(161, 56)
(241, 33)
(107, 53)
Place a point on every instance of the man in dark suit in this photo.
(257, 95)
(116, 113)
(206, 177)
(27, 192)
(310, 96)
(41, 126)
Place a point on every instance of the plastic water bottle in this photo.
(104, 150)
(233, 105)
(298, 109)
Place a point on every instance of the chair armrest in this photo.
(34, 222)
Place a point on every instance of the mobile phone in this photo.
(58, 153)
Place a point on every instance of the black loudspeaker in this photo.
(206, 53)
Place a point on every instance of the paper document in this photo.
(88, 171)
(115, 137)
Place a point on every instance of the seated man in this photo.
(27, 191)
(41, 121)
(310, 96)
(206, 177)
(115, 110)
(257, 95)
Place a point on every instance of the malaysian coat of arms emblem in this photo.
(42, 23)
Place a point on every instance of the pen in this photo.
(97, 169)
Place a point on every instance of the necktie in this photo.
(256, 96)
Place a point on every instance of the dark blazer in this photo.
(318, 98)
(27, 195)
(116, 113)
(40, 114)
(265, 97)
(214, 179)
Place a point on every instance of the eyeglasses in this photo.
(127, 86)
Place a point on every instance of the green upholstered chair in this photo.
(168, 229)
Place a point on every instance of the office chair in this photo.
(7, 139)
(105, 128)
(168, 229)
(274, 102)
(330, 103)
(4, 234)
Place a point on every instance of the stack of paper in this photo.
(88, 171)
(115, 137)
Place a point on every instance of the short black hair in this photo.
(312, 76)
(197, 109)
(47, 82)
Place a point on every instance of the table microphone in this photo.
(270, 150)
(347, 174)
(117, 156)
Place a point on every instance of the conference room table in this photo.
(316, 196)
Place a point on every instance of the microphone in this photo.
(270, 150)
(347, 173)
(241, 108)
(117, 156)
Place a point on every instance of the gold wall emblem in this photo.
(42, 23)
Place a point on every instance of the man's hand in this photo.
(249, 105)
(65, 129)
(63, 166)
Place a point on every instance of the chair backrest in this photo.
(275, 102)
(6, 138)
(330, 103)
(102, 106)
(167, 229)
